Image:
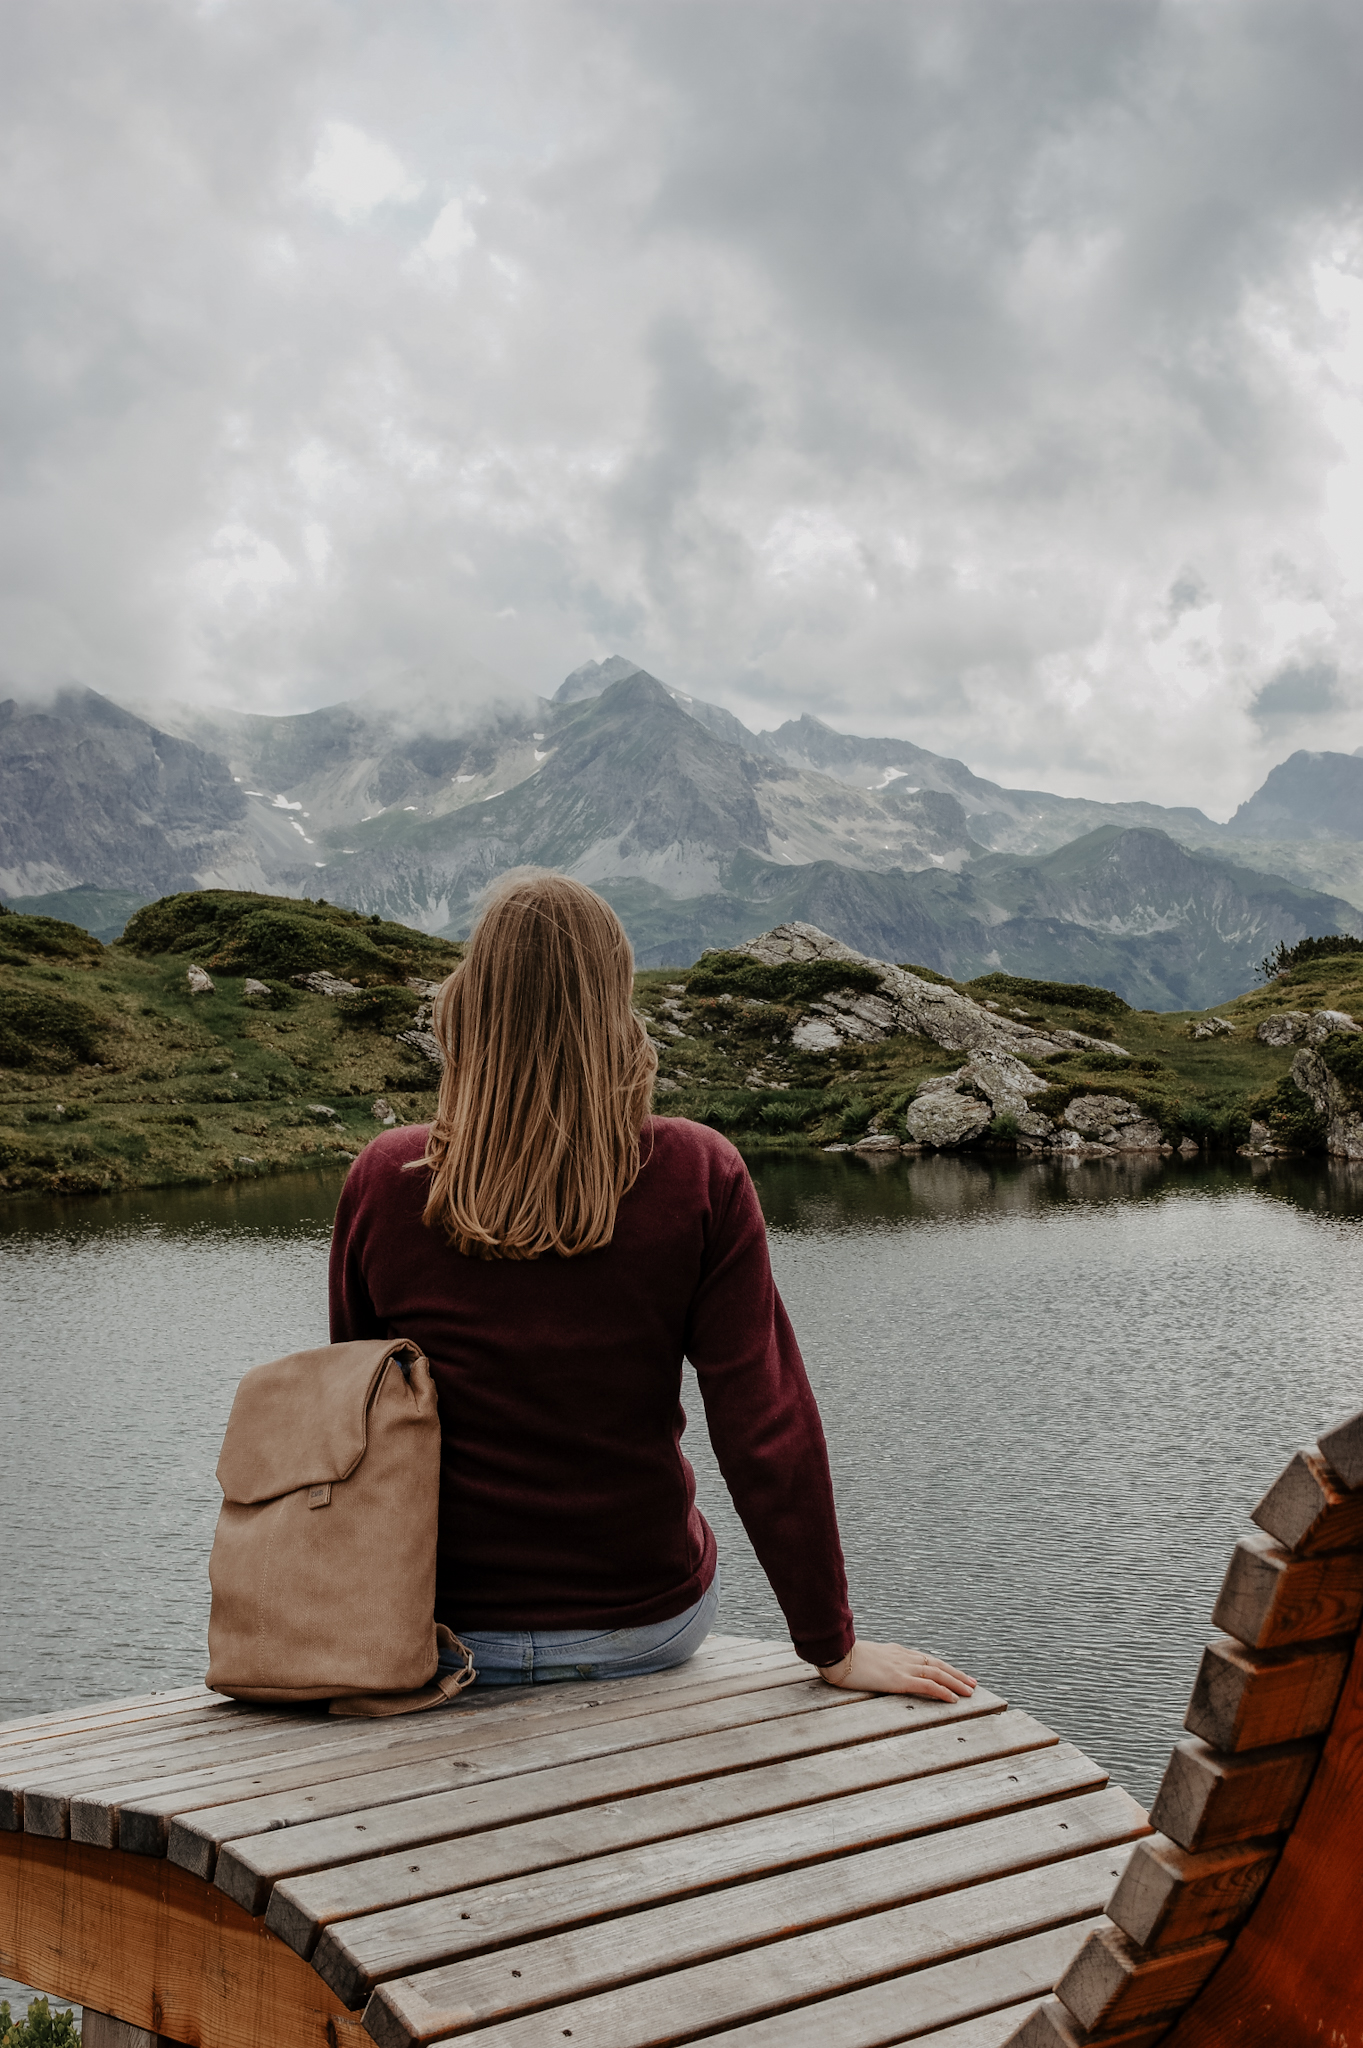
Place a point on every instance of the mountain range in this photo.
(700, 831)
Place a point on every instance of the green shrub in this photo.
(1290, 1115)
(42, 2028)
(379, 1009)
(1343, 1055)
(926, 973)
(52, 1033)
(854, 1119)
(1284, 957)
(1063, 995)
(1005, 1127)
(278, 996)
(235, 931)
(751, 1109)
(48, 938)
(782, 1116)
(792, 981)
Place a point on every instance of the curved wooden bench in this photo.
(1241, 1920)
(732, 1852)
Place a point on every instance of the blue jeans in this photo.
(543, 1656)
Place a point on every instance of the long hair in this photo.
(547, 1080)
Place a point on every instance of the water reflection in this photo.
(1052, 1393)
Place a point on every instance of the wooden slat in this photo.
(1207, 1800)
(300, 1907)
(1051, 2026)
(1270, 1597)
(820, 1970)
(902, 2009)
(135, 1813)
(612, 1953)
(1247, 1699)
(1170, 1895)
(247, 1869)
(353, 1955)
(299, 1798)
(70, 1720)
(1309, 1509)
(1342, 1449)
(1113, 1983)
(991, 2030)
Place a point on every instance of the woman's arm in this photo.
(768, 1439)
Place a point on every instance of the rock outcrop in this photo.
(903, 1002)
(1108, 1120)
(200, 983)
(1298, 1027)
(320, 983)
(1332, 1101)
(1213, 1027)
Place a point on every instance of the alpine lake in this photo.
(1053, 1393)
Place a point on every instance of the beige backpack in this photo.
(323, 1564)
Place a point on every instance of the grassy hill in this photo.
(113, 1075)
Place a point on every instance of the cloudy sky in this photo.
(988, 372)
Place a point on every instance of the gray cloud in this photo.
(982, 372)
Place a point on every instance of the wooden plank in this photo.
(991, 2030)
(156, 1947)
(71, 1720)
(1270, 1597)
(135, 1813)
(1342, 1449)
(298, 1798)
(612, 1953)
(300, 1907)
(1207, 1800)
(1246, 1699)
(1309, 1509)
(353, 1955)
(1295, 1974)
(818, 1970)
(1170, 1895)
(1051, 2026)
(902, 2009)
(247, 1869)
(1113, 1983)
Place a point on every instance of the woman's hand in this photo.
(889, 1667)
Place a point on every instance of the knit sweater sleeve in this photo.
(764, 1425)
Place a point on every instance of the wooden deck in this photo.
(732, 1852)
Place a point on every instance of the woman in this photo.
(556, 1252)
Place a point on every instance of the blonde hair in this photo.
(547, 1080)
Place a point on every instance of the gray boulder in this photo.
(200, 983)
(1110, 1120)
(320, 983)
(253, 990)
(946, 1119)
(424, 1042)
(1213, 1027)
(1288, 1027)
(1325, 1023)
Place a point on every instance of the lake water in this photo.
(1052, 1396)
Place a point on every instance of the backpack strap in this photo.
(441, 1693)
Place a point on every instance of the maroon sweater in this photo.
(565, 1499)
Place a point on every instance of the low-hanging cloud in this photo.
(991, 374)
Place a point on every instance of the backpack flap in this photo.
(303, 1421)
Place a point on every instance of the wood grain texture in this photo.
(1170, 1895)
(375, 1779)
(1310, 1510)
(1114, 1984)
(557, 1969)
(1207, 1800)
(139, 1815)
(1342, 1449)
(488, 1854)
(101, 2030)
(990, 2030)
(904, 2008)
(1294, 1978)
(820, 1978)
(1269, 1597)
(353, 1955)
(156, 1947)
(1247, 1699)
(246, 1870)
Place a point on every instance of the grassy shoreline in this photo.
(114, 1076)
